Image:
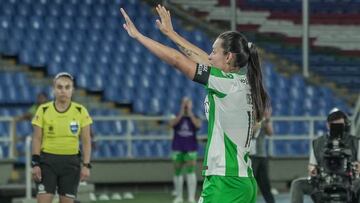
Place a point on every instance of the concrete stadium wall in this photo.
(282, 170)
(115, 171)
(6, 166)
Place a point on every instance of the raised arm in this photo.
(167, 54)
(178, 117)
(190, 50)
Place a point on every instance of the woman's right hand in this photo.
(164, 24)
(129, 25)
(36, 173)
(312, 170)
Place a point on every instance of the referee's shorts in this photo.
(59, 173)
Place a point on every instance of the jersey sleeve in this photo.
(38, 117)
(202, 74)
(85, 118)
(214, 78)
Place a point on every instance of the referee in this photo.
(56, 159)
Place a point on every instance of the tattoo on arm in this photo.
(186, 51)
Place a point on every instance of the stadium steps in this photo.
(283, 66)
(324, 35)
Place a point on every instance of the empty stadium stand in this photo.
(86, 39)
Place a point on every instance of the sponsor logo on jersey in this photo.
(185, 130)
(51, 129)
(74, 127)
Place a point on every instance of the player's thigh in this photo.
(228, 190)
(190, 162)
(69, 179)
(190, 157)
(178, 156)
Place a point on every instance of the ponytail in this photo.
(247, 55)
(259, 95)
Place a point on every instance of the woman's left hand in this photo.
(85, 173)
(164, 24)
(129, 25)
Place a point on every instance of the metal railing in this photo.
(10, 138)
(310, 136)
(134, 133)
(129, 137)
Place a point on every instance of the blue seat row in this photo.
(341, 70)
(86, 38)
(4, 150)
(140, 149)
(162, 149)
(291, 148)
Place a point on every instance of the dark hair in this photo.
(247, 55)
(42, 93)
(336, 114)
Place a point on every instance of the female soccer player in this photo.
(236, 99)
(56, 159)
(184, 148)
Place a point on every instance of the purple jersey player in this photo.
(184, 147)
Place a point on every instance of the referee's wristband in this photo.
(35, 160)
(87, 165)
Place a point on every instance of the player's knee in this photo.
(190, 169)
(178, 171)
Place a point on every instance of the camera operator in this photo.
(302, 186)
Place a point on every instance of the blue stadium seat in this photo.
(20, 148)
(138, 149)
(3, 129)
(119, 127)
(117, 149)
(4, 148)
(299, 147)
(102, 150)
(139, 106)
(23, 128)
(23, 10)
(201, 149)
(280, 148)
(203, 129)
(299, 128)
(281, 128)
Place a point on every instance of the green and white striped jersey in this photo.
(229, 110)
